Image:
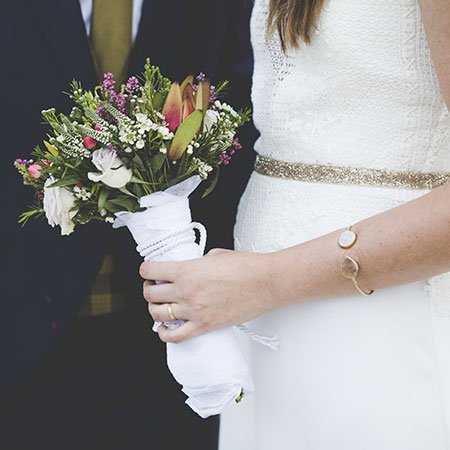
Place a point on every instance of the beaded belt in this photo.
(321, 173)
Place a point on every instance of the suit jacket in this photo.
(43, 46)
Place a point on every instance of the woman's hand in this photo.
(223, 288)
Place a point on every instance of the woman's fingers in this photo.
(160, 271)
(160, 293)
(167, 312)
(183, 333)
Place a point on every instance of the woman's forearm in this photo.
(402, 245)
(405, 244)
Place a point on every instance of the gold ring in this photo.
(170, 311)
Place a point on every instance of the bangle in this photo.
(350, 267)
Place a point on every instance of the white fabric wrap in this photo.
(211, 368)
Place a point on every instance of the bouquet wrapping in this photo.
(210, 367)
(131, 155)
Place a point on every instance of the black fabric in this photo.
(45, 278)
(43, 46)
(120, 397)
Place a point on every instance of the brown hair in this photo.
(294, 20)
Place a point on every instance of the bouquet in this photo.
(131, 155)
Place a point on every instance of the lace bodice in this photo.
(363, 94)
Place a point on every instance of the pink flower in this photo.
(35, 171)
(89, 142)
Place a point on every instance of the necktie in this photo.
(111, 35)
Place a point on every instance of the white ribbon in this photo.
(211, 368)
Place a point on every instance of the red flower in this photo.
(89, 142)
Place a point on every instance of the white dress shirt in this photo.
(86, 9)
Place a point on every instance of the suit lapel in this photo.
(65, 37)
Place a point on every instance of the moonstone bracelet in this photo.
(350, 267)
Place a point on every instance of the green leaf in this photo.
(127, 204)
(157, 162)
(185, 134)
(51, 149)
(138, 181)
(69, 181)
(212, 184)
(102, 199)
(30, 214)
(158, 100)
(138, 161)
(127, 192)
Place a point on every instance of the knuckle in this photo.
(175, 338)
(163, 337)
(143, 269)
(180, 337)
(177, 269)
(219, 251)
(187, 290)
(146, 292)
(163, 333)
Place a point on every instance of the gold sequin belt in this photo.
(328, 174)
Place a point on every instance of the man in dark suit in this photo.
(100, 378)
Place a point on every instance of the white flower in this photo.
(140, 144)
(144, 123)
(165, 133)
(163, 150)
(113, 172)
(226, 107)
(211, 118)
(127, 135)
(203, 168)
(58, 203)
(229, 138)
(82, 193)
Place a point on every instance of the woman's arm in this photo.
(436, 18)
(402, 245)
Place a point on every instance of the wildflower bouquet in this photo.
(131, 156)
(120, 144)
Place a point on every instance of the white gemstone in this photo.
(347, 239)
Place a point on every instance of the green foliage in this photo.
(212, 183)
(32, 213)
(156, 87)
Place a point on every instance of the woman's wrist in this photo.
(308, 271)
(281, 274)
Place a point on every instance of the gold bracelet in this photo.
(350, 267)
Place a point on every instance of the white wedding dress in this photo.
(352, 373)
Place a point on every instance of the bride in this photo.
(343, 232)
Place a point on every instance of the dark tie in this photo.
(111, 35)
